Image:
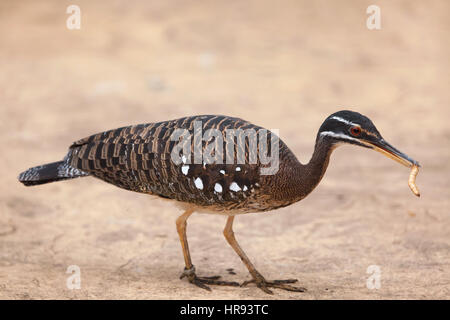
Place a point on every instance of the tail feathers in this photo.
(51, 172)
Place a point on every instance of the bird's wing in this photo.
(138, 158)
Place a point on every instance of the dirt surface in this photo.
(281, 65)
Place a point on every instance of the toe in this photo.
(264, 288)
(218, 282)
(289, 288)
(201, 284)
(245, 283)
(285, 281)
(210, 278)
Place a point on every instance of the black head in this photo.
(354, 128)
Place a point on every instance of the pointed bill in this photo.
(389, 151)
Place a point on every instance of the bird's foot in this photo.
(203, 281)
(264, 284)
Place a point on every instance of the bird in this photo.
(183, 160)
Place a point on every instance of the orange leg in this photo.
(189, 269)
(262, 283)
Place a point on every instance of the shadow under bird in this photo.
(138, 158)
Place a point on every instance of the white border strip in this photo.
(344, 121)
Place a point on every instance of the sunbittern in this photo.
(139, 158)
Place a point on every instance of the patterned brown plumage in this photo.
(137, 158)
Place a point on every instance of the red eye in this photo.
(355, 130)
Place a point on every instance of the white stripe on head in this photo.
(344, 121)
(345, 137)
(338, 135)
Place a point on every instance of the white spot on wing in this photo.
(245, 188)
(238, 168)
(217, 187)
(235, 187)
(183, 159)
(222, 171)
(185, 169)
(198, 183)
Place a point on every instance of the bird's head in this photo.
(354, 128)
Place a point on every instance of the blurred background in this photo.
(279, 64)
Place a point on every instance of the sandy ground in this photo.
(281, 65)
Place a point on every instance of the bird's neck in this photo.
(294, 181)
(308, 176)
(316, 167)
